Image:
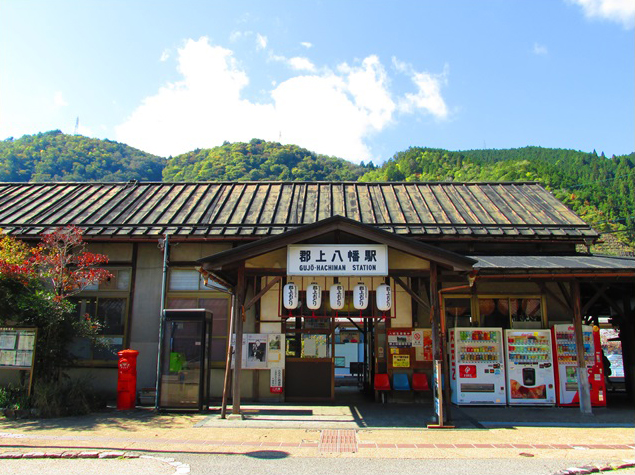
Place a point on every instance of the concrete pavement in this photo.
(356, 430)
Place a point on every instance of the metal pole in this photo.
(164, 284)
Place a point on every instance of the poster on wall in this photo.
(401, 361)
(399, 337)
(275, 384)
(256, 351)
(422, 342)
(261, 350)
(275, 350)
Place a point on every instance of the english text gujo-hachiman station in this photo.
(394, 286)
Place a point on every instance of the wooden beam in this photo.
(259, 295)
(584, 388)
(238, 357)
(355, 324)
(565, 294)
(592, 300)
(556, 297)
(621, 312)
(228, 358)
(404, 286)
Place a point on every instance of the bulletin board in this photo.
(409, 348)
(261, 350)
(17, 350)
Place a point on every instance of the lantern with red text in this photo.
(384, 297)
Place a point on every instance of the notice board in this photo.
(17, 349)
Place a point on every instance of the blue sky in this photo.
(360, 80)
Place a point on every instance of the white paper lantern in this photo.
(360, 296)
(313, 296)
(290, 296)
(384, 297)
(337, 296)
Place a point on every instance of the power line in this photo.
(628, 218)
(580, 185)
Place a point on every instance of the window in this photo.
(496, 311)
(106, 303)
(511, 312)
(458, 312)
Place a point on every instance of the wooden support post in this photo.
(228, 358)
(240, 300)
(627, 336)
(584, 389)
(438, 346)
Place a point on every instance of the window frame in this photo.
(98, 292)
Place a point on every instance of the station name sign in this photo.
(337, 259)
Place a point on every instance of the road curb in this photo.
(181, 468)
(587, 469)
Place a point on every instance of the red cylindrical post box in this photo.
(127, 380)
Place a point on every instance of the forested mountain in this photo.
(259, 160)
(600, 189)
(54, 156)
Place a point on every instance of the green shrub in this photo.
(13, 397)
(65, 397)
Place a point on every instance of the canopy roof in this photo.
(336, 228)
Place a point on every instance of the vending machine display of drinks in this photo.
(530, 368)
(477, 366)
(567, 365)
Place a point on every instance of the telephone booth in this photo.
(185, 359)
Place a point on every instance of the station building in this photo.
(468, 255)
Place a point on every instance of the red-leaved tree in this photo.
(62, 259)
(35, 283)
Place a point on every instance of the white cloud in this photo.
(329, 112)
(301, 64)
(307, 45)
(58, 99)
(165, 56)
(540, 50)
(428, 96)
(369, 86)
(620, 11)
(261, 41)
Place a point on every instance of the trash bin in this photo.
(127, 380)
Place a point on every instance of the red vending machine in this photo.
(564, 348)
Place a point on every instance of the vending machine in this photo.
(529, 367)
(477, 366)
(567, 365)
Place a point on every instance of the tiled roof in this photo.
(256, 209)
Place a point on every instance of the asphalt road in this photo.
(279, 463)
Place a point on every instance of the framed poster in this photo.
(275, 350)
(256, 351)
